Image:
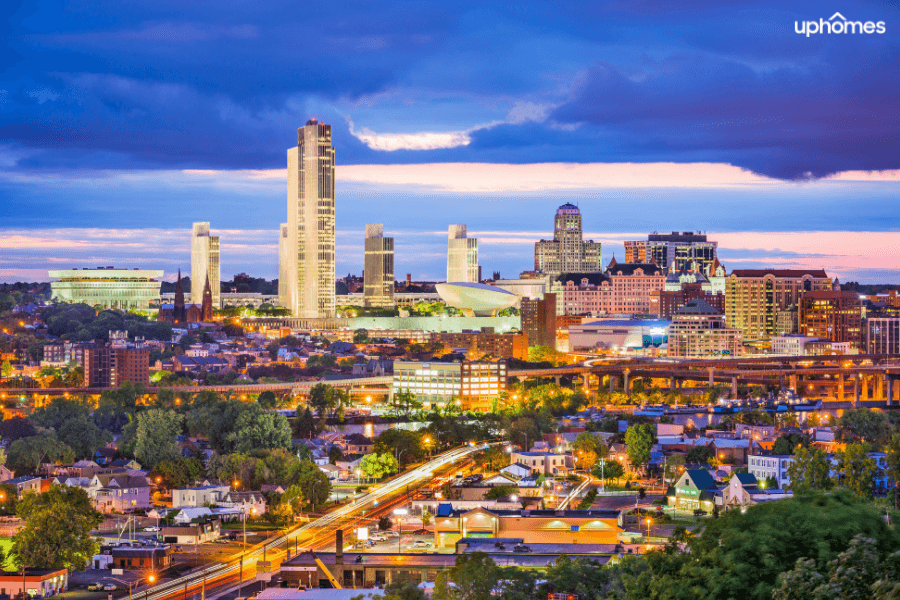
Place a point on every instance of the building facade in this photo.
(107, 287)
(110, 365)
(378, 287)
(664, 303)
(473, 384)
(567, 252)
(754, 297)
(477, 344)
(205, 264)
(684, 251)
(883, 336)
(284, 296)
(539, 320)
(462, 256)
(698, 331)
(833, 315)
(311, 220)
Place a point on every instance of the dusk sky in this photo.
(121, 123)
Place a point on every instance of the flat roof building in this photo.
(378, 287)
(473, 384)
(107, 287)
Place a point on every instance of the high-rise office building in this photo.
(284, 298)
(310, 204)
(567, 252)
(832, 315)
(685, 251)
(462, 256)
(882, 335)
(539, 321)
(205, 264)
(378, 276)
(755, 297)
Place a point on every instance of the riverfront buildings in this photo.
(698, 331)
(755, 297)
(309, 246)
(462, 256)
(832, 315)
(567, 252)
(107, 287)
(205, 264)
(474, 385)
(378, 287)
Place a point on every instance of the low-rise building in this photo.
(38, 583)
(744, 490)
(25, 483)
(474, 384)
(153, 558)
(698, 331)
(544, 463)
(199, 496)
(249, 503)
(192, 533)
(694, 490)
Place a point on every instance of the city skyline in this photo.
(656, 118)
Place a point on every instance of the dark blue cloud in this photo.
(167, 84)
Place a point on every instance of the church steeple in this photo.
(207, 309)
(179, 312)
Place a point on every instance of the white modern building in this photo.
(530, 289)
(474, 384)
(476, 299)
(107, 287)
(310, 208)
(620, 335)
(205, 264)
(462, 256)
(378, 274)
(793, 344)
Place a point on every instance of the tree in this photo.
(26, 454)
(611, 469)
(540, 354)
(892, 459)
(360, 336)
(501, 491)
(809, 471)
(334, 454)
(304, 425)
(493, 459)
(405, 444)
(57, 529)
(426, 516)
(267, 399)
(9, 498)
(385, 523)
(83, 436)
(639, 440)
(377, 465)
(16, 429)
(403, 590)
(178, 472)
(474, 577)
(58, 412)
(403, 403)
(293, 495)
(324, 398)
(786, 444)
(313, 483)
(579, 576)
(863, 425)
(256, 428)
(155, 437)
(587, 449)
(6, 368)
(858, 470)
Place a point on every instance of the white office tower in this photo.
(205, 264)
(462, 256)
(378, 276)
(284, 298)
(310, 202)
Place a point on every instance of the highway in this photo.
(316, 533)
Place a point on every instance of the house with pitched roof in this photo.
(695, 489)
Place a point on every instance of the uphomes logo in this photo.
(837, 24)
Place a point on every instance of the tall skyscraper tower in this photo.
(462, 256)
(567, 252)
(284, 286)
(205, 264)
(310, 203)
(378, 287)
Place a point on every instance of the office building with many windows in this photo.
(698, 331)
(205, 264)
(309, 248)
(462, 256)
(567, 252)
(685, 251)
(473, 384)
(378, 274)
(832, 315)
(883, 335)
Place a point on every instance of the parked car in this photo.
(151, 528)
(422, 544)
(110, 587)
(391, 533)
(95, 587)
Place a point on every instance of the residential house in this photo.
(544, 463)
(105, 456)
(249, 503)
(129, 464)
(619, 454)
(773, 465)
(744, 490)
(333, 472)
(733, 452)
(188, 514)
(6, 474)
(357, 443)
(516, 471)
(199, 496)
(25, 483)
(119, 492)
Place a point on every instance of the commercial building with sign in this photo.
(107, 287)
(694, 490)
(474, 384)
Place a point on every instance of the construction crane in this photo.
(334, 582)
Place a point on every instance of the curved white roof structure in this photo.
(476, 298)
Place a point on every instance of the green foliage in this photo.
(587, 449)
(858, 470)
(403, 590)
(16, 429)
(324, 398)
(786, 444)
(580, 576)
(588, 500)
(178, 472)
(304, 425)
(501, 491)
(406, 444)
(377, 465)
(404, 403)
(385, 523)
(83, 436)
(80, 322)
(6, 368)
(810, 471)
(863, 425)
(360, 336)
(474, 577)
(544, 354)
(313, 483)
(154, 439)
(698, 455)
(57, 529)
(10, 499)
(256, 428)
(267, 399)
(492, 459)
(612, 469)
(640, 439)
(26, 454)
